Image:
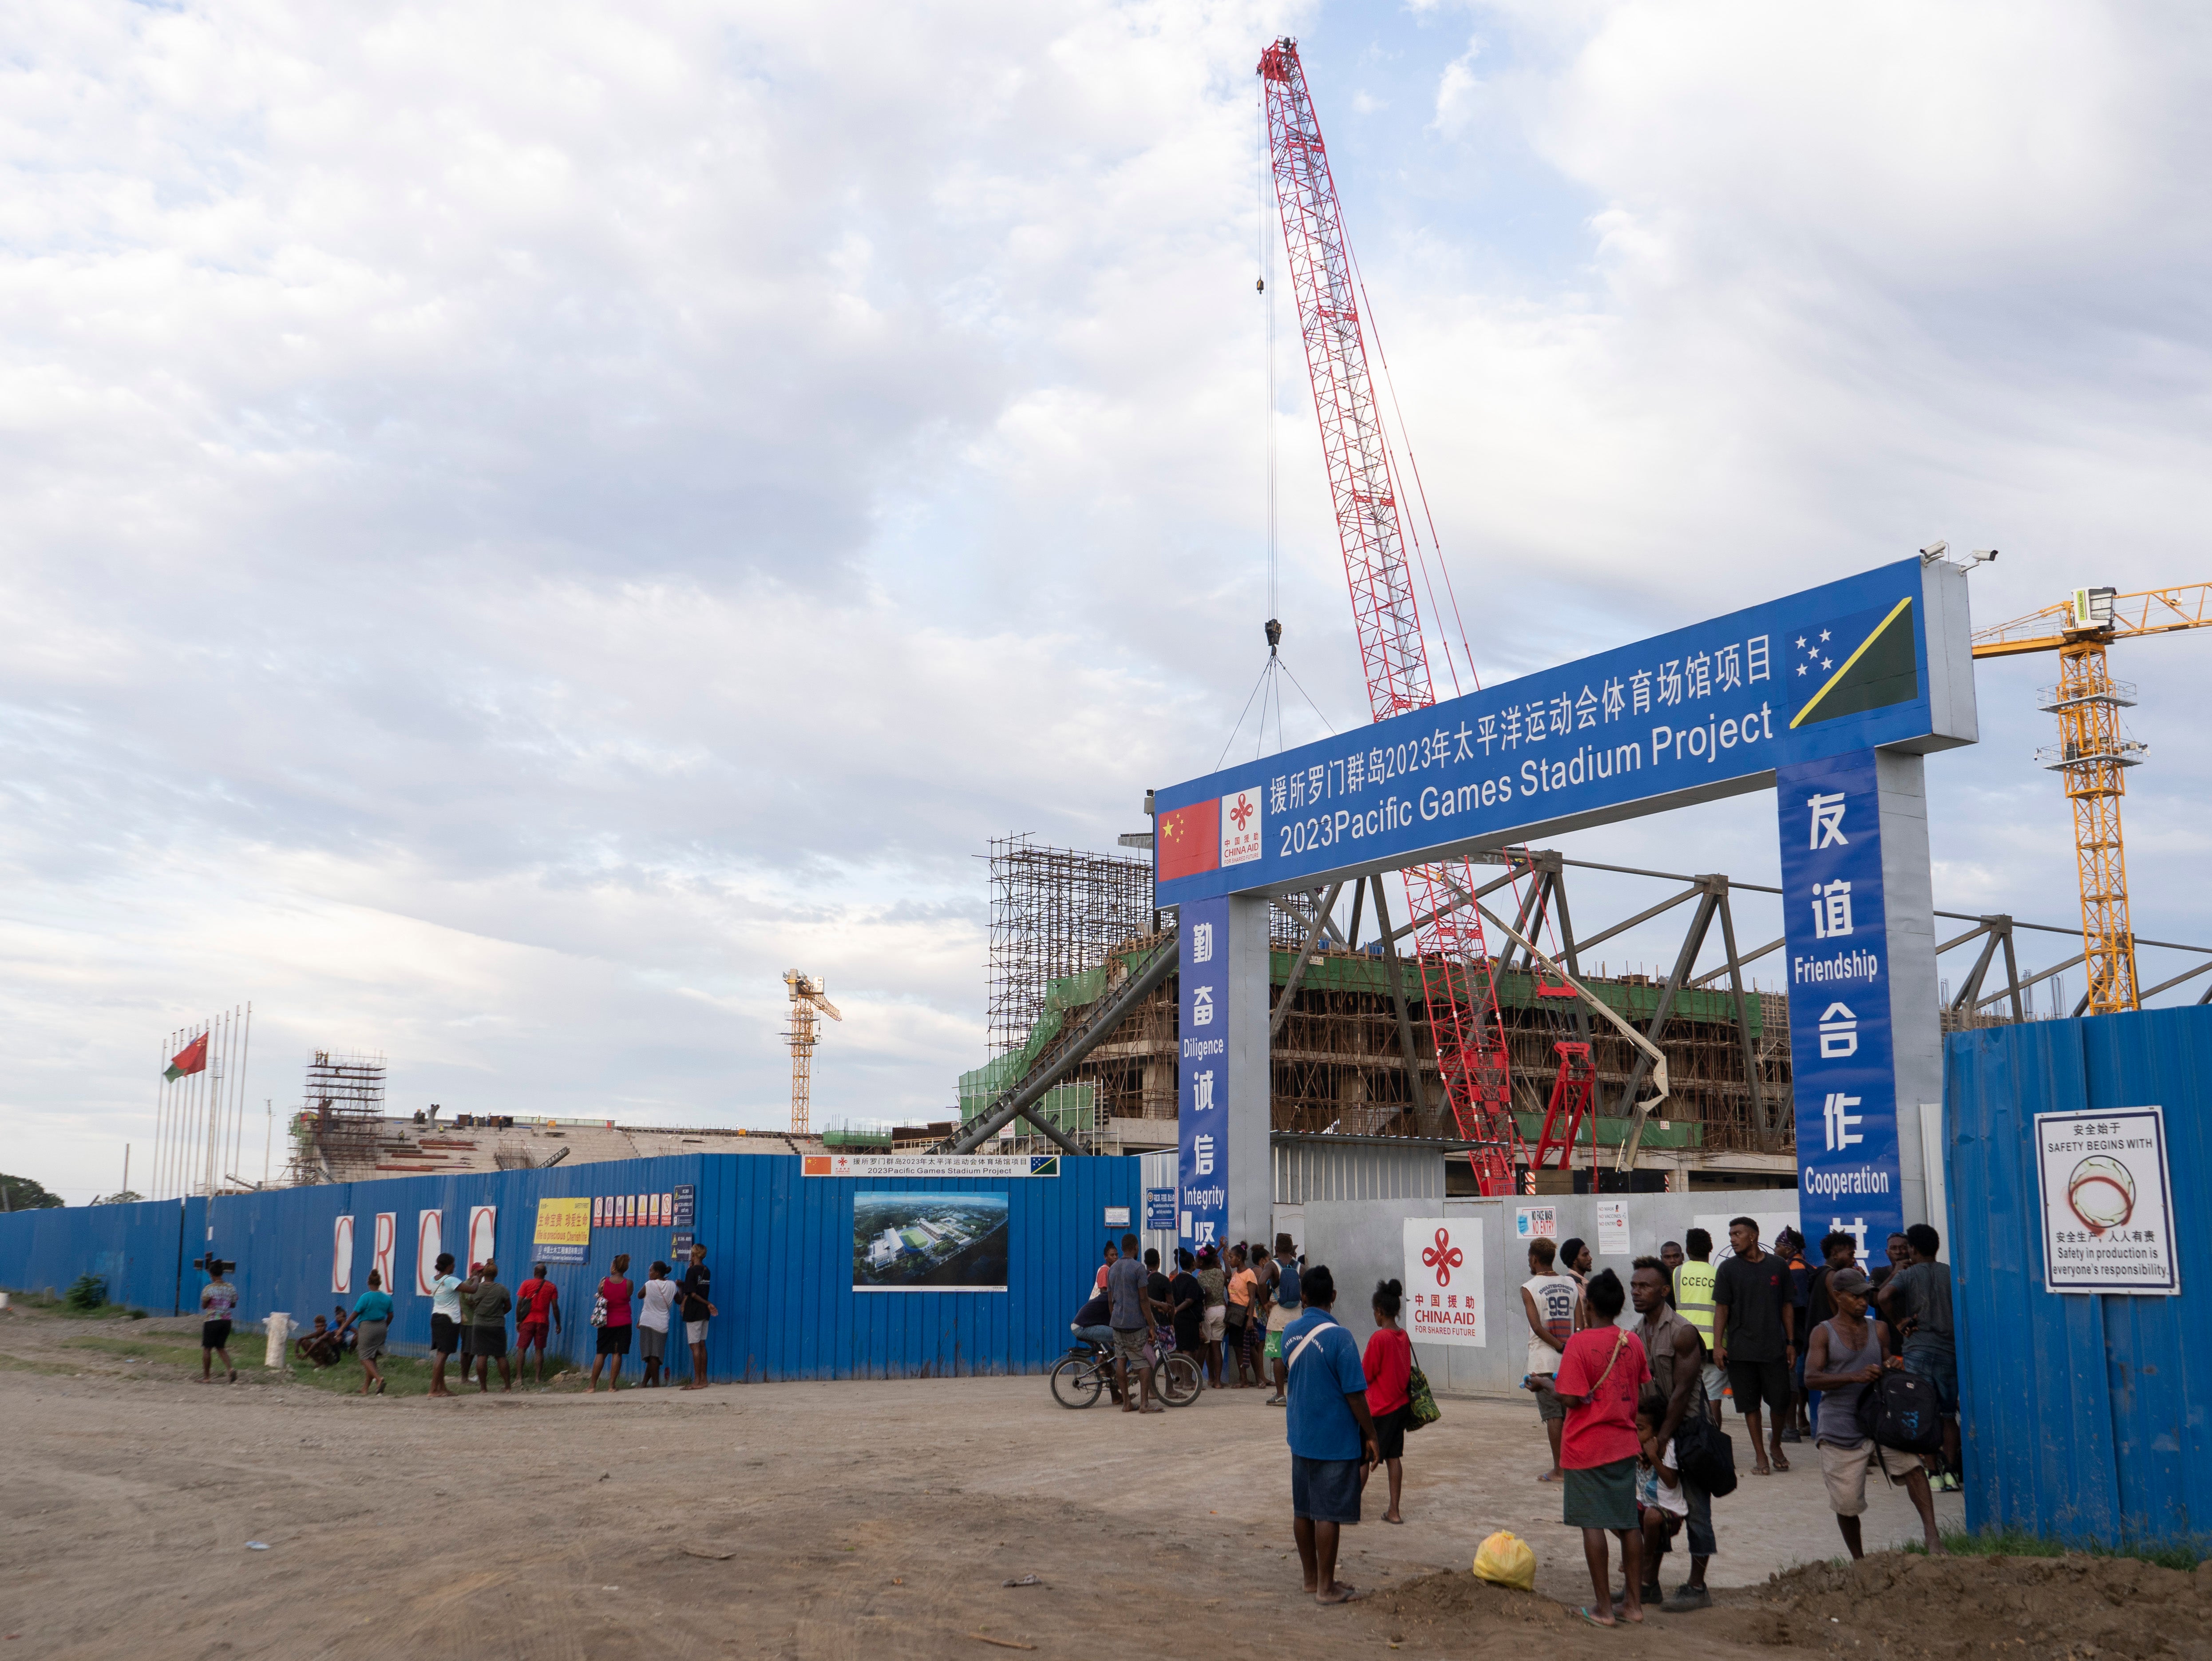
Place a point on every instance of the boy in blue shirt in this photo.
(1332, 1437)
(370, 1321)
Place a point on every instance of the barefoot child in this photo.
(1389, 1366)
(1662, 1507)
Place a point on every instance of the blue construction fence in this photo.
(780, 1244)
(2084, 1416)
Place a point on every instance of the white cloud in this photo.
(522, 525)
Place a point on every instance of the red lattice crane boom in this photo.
(1456, 972)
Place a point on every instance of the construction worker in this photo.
(1693, 1302)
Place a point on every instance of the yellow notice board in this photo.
(564, 1230)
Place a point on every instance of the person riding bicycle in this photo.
(1091, 1326)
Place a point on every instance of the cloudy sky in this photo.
(522, 523)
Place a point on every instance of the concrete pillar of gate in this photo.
(1251, 1159)
(1914, 1023)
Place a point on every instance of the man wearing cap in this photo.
(1846, 1357)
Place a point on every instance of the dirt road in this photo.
(830, 1520)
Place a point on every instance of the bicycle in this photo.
(1087, 1372)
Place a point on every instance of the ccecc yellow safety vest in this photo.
(1693, 1297)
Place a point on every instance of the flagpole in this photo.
(219, 1071)
(196, 1142)
(161, 1100)
(238, 1112)
(168, 1113)
(218, 1076)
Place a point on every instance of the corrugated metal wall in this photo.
(2085, 1417)
(1331, 1169)
(780, 1244)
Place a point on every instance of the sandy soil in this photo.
(858, 1520)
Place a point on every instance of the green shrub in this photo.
(86, 1295)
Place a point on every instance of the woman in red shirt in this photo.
(1389, 1366)
(1601, 1373)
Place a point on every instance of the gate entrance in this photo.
(1831, 698)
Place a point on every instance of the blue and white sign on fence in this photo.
(1202, 1072)
(1837, 930)
(1160, 1211)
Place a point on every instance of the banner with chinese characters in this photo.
(1202, 1073)
(1834, 922)
(2107, 1203)
(1443, 1280)
(912, 1164)
(563, 1234)
(1711, 709)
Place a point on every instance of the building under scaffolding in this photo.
(340, 1117)
(1055, 913)
(1066, 928)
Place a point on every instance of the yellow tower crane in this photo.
(806, 999)
(2092, 754)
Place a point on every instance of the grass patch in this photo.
(182, 1352)
(18, 1364)
(47, 1303)
(2015, 1542)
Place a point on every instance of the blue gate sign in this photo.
(1694, 715)
(1202, 1072)
(1836, 925)
(1160, 1210)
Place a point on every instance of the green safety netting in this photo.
(1061, 1106)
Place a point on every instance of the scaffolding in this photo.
(1337, 1064)
(341, 1118)
(1055, 913)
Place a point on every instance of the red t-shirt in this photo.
(1389, 1366)
(537, 1299)
(1604, 1430)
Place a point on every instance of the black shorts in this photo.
(1390, 1430)
(1325, 1490)
(490, 1341)
(444, 1334)
(1754, 1382)
(214, 1334)
(614, 1341)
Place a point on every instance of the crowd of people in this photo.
(1795, 1346)
(469, 1317)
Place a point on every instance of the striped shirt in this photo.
(1693, 1297)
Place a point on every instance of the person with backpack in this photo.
(1916, 1304)
(1846, 1358)
(1284, 1293)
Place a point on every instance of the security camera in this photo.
(1935, 551)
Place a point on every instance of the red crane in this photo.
(1457, 974)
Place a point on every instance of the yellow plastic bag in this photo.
(1505, 1559)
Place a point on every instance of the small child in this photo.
(1662, 1507)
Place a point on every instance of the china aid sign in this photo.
(1443, 1280)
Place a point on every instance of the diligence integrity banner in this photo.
(1202, 1073)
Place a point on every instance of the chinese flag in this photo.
(192, 1058)
(1188, 839)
